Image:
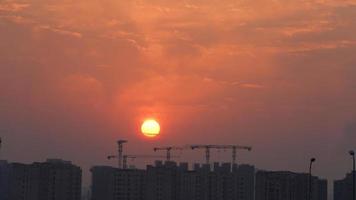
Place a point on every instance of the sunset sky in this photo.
(279, 75)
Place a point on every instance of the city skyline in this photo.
(269, 183)
(218, 153)
(165, 180)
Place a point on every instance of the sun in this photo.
(150, 128)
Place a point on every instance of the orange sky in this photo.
(279, 75)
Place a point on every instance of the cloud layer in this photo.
(279, 75)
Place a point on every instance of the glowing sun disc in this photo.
(150, 128)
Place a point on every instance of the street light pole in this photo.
(0, 146)
(310, 177)
(352, 153)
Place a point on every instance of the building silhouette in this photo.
(4, 179)
(170, 181)
(109, 183)
(51, 180)
(281, 185)
(162, 181)
(343, 188)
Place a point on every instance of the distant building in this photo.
(225, 182)
(162, 181)
(343, 188)
(169, 181)
(288, 186)
(4, 180)
(187, 185)
(22, 185)
(103, 183)
(50, 180)
(322, 189)
(110, 183)
(58, 180)
(244, 182)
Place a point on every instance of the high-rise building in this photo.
(282, 185)
(322, 189)
(169, 181)
(244, 182)
(22, 185)
(103, 183)
(225, 182)
(50, 180)
(162, 181)
(343, 188)
(58, 180)
(4, 180)
(187, 185)
(110, 183)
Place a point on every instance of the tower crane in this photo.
(125, 157)
(120, 150)
(208, 147)
(168, 150)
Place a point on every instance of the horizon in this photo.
(147, 159)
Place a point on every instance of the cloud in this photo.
(60, 31)
(252, 86)
(13, 7)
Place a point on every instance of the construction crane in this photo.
(125, 157)
(120, 150)
(208, 147)
(168, 150)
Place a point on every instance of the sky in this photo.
(279, 75)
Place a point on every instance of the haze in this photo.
(279, 75)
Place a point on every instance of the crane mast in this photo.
(120, 150)
(207, 150)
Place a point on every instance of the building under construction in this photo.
(170, 181)
(227, 181)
